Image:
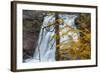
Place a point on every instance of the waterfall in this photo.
(69, 20)
(46, 47)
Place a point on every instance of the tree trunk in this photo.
(57, 38)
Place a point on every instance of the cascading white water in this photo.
(69, 20)
(46, 47)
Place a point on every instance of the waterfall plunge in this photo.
(46, 47)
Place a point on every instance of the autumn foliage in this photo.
(81, 49)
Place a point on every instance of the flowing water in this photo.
(46, 47)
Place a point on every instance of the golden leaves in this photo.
(80, 49)
(59, 21)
